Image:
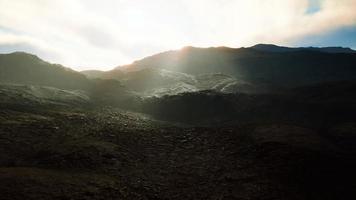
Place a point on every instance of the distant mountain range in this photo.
(261, 68)
(200, 85)
(280, 49)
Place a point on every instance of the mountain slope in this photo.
(159, 82)
(23, 68)
(19, 96)
(285, 69)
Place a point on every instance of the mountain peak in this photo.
(264, 45)
(22, 53)
(280, 49)
(271, 48)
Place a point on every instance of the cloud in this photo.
(102, 34)
(237, 23)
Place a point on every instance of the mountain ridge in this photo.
(191, 69)
(282, 49)
(25, 68)
(292, 68)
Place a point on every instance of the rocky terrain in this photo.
(81, 151)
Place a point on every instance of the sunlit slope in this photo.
(286, 68)
(160, 82)
(28, 96)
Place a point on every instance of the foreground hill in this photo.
(293, 146)
(23, 68)
(313, 105)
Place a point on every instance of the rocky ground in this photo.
(108, 153)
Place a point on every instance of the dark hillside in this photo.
(23, 68)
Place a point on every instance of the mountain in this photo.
(280, 49)
(30, 78)
(262, 68)
(24, 68)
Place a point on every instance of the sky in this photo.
(103, 34)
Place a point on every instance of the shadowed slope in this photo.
(23, 68)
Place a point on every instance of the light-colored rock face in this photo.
(177, 76)
(28, 94)
(174, 89)
(160, 82)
